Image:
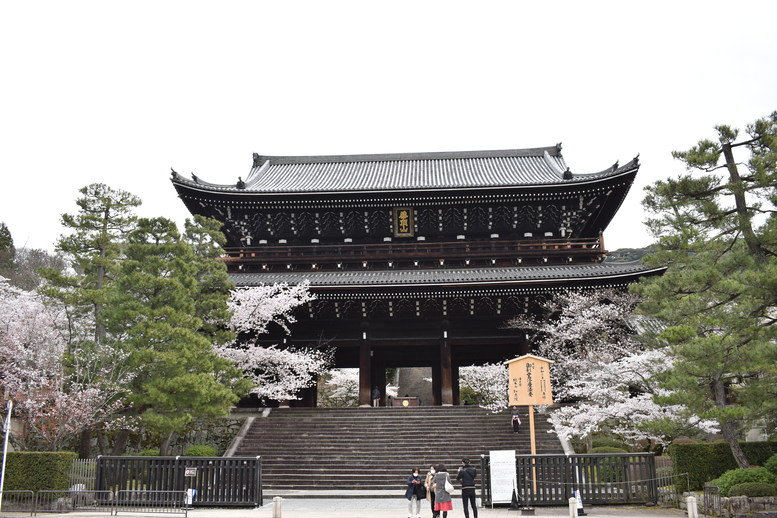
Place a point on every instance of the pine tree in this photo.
(165, 311)
(717, 231)
(92, 248)
(7, 250)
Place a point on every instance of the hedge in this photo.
(753, 489)
(609, 442)
(706, 462)
(38, 471)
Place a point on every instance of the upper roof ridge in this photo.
(259, 160)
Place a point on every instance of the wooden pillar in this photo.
(365, 371)
(436, 393)
(455, 385)
(446, 374)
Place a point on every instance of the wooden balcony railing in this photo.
(448, 250)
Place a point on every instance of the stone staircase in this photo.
(374, 449)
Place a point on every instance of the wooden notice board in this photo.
(529, 381)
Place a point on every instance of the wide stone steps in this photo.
(375, 448)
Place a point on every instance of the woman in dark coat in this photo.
(415, 493)
(442, 498)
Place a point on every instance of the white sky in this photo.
(118, 92)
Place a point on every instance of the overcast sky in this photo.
(120, 92)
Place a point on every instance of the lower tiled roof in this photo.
(517, 275)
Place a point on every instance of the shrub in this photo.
(685, 440)
(151, 452)
(753, 489)
(609, 442)
(608, 449)
(733, 477)
(771, 464)
(200, 450)
(38, 471)
(705, 462)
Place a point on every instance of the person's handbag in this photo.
(448, 486)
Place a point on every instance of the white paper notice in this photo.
(502, 475)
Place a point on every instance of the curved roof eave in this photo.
(576, 180)
(609, 272)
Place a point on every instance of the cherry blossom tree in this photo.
(487, 384)
(620, 396)
(278, 373)
(56, 394)
(602, 370)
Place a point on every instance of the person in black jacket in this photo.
(415, 493)
(467, 475)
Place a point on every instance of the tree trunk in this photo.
(85, 444)
(165, 449)
(728, 428)
(102, 447)
(120, 445)
(745, 224)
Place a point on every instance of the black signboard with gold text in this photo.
(403, 222)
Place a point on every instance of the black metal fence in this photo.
(76, 500)
(215, 481)
(628, 478)
(17, 501)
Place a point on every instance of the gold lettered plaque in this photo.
(403, 222)
(529, 381)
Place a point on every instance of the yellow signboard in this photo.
(529, 381)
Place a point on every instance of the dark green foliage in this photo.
(608, 449)
(168, 306)
(200, 450)
(717, 230)
(736, 476)
(753, 489)
(608, 442)
(771, 464)
(705, 462)
(627, 255)
(151, 452)
(38, 471)
(7, 250)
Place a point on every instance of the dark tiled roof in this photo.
(447, 277)
(392, 172)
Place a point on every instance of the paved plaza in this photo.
(383, 508)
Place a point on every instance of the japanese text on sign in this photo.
(529, 381)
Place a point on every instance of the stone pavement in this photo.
(382, 508)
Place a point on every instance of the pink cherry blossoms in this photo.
(57, 392)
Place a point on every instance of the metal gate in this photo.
(216, 481)
(627, 478)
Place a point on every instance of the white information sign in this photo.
(502, 475)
